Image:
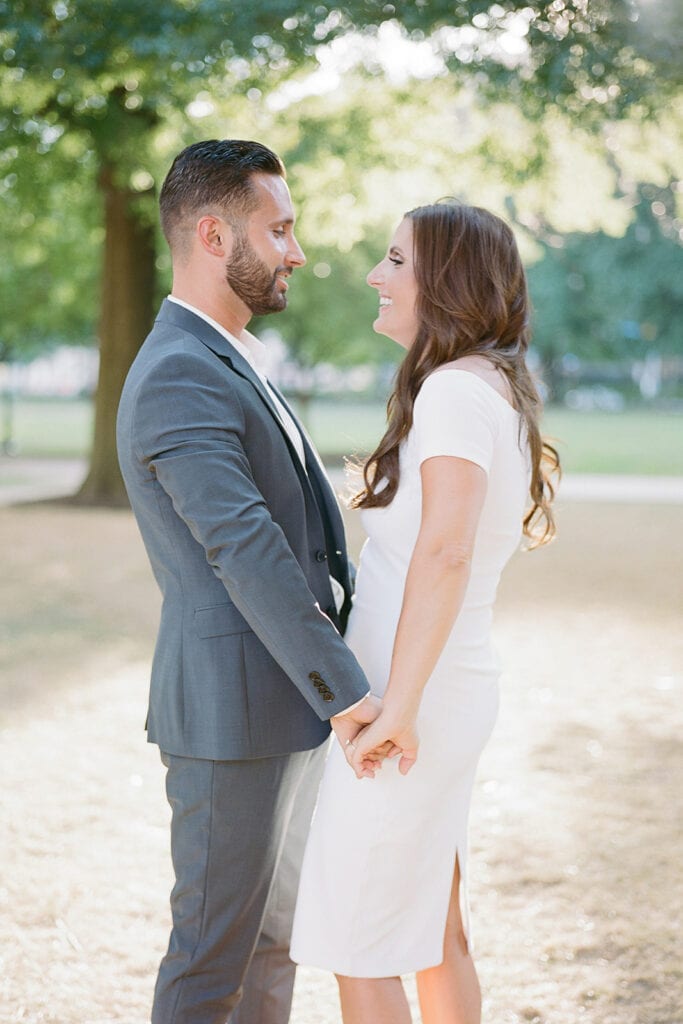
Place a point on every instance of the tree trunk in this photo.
(127, 310)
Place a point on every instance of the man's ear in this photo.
(215, 235)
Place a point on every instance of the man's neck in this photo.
(233, 319)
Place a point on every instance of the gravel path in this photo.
(577, 883)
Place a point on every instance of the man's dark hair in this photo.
(215, 174)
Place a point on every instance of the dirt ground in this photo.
(577, 875)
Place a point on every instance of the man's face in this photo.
(265, 251)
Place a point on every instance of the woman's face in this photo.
(394, 279)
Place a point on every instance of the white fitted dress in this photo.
(379, 862)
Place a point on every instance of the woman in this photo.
(383, 888)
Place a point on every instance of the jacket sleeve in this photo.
(190, 435)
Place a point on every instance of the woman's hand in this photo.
(347, 728)
(391, 732)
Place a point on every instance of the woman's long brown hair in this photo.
(472, 300)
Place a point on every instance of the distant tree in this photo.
(600, 297)
(102, 76)
(49, 284)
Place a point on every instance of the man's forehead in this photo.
(274, 200)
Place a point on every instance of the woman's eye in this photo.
(397, 263)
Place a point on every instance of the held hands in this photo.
(373, 731)
(347, 727)
(390, 733)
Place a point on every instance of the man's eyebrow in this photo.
(282, 220)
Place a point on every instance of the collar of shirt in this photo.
(253, 350)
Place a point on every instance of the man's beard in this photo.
(252, 281)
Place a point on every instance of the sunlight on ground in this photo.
(576, 882)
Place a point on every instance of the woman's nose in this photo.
(374, 277)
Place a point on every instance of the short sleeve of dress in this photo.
(455, 413)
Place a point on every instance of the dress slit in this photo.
(463, 897)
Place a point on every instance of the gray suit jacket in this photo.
(241, 540)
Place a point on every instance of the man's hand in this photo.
(346, 729)
(388, 731)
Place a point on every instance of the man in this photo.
(246, 542)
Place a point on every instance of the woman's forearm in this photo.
(435, 588)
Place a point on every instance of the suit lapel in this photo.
(227, 353)
(316, 469)
(314, 482)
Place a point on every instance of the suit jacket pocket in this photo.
(219, 620)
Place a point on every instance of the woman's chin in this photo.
(404, 342)
(380, 328)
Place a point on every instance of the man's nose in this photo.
(296, 256)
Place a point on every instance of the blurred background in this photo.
(565, 117)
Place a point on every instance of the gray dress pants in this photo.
(238, 833)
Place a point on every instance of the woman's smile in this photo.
(396, 316)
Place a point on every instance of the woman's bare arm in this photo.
(453, 492)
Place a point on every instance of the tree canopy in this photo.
(96, 96)
(602, 297)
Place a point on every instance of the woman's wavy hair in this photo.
(472, 300)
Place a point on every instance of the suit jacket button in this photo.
(327, 696)
(321, 556)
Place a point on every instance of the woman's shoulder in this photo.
(471, 373)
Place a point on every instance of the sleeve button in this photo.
(321, 556)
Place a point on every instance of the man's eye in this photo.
(280, 231)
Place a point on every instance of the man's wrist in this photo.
(352, 707)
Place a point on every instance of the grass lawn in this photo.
(635, 441)
(47, 427)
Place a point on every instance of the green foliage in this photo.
(50, 239)
(602, 297)
(92, 83)
(593, 60)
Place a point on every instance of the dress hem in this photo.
(348, 973)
